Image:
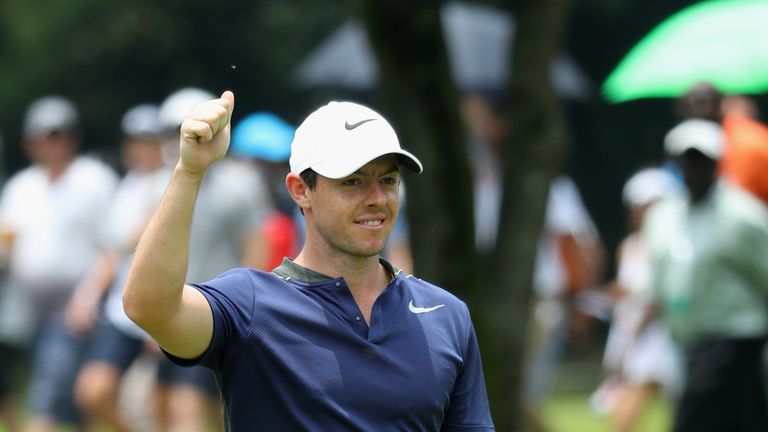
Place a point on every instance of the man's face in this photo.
(143, 154)
(355, 214)
(699, 172)
(51, 149)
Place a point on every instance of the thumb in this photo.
(229, 98)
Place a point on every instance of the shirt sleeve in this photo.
(231, 298)
(108, 189)
(648, 238)
(469, 409)
(11, 215)
(743, 226)
(751, 245)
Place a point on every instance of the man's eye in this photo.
(390, 180)
(351, 182)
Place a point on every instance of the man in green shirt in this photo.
(709, 251)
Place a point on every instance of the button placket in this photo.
(351, 308)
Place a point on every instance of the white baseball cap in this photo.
(141, 120)
(340, 137)
(50, 114)
(647, 186)
(178, 104)
(703, 135)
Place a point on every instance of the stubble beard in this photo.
(349, 247)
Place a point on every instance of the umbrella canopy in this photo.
(478, 40)
(723, 42)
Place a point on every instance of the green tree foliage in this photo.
(108, 56)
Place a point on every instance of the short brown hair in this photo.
(310, 178)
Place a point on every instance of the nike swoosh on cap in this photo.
(350, 126)
(420, 310)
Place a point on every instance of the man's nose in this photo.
(377, 195)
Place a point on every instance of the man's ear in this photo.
(298, 190)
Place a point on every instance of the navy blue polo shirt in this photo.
(292, 352)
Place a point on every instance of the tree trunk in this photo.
(534, 152)
(420, 99)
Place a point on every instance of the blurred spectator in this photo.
(226, 233)
(9, 417)
(639, 356)
(14, 326)
(231, 207)
(703, 101)
(708, 249)
(570, 260)
(739, 106)
(265, 139)
(117, 342)
(52, 217)
(745, 156)
(486, 129)
(570, 253)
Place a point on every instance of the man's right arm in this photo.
(155, 297)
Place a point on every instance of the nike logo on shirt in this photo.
(420, 310)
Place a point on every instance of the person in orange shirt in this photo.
(745, 155)
(745, 159)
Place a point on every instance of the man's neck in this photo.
(366, 277)
(363, 275)
(55, 171)
(698, 197)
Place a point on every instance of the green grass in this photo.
(570, 412)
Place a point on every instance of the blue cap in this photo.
(263, 136)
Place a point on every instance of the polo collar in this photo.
(288, 270)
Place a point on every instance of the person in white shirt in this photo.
(116, 341)
(640, 358)
(569, 260)
(51, 214)
(226, 232)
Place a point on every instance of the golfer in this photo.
(335, 339)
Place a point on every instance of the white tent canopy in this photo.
(477, 39)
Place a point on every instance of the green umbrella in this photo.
(723, 42)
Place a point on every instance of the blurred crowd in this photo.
(686, 302)
(69, 225)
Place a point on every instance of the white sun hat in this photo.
(339, 138)
(703, 135)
